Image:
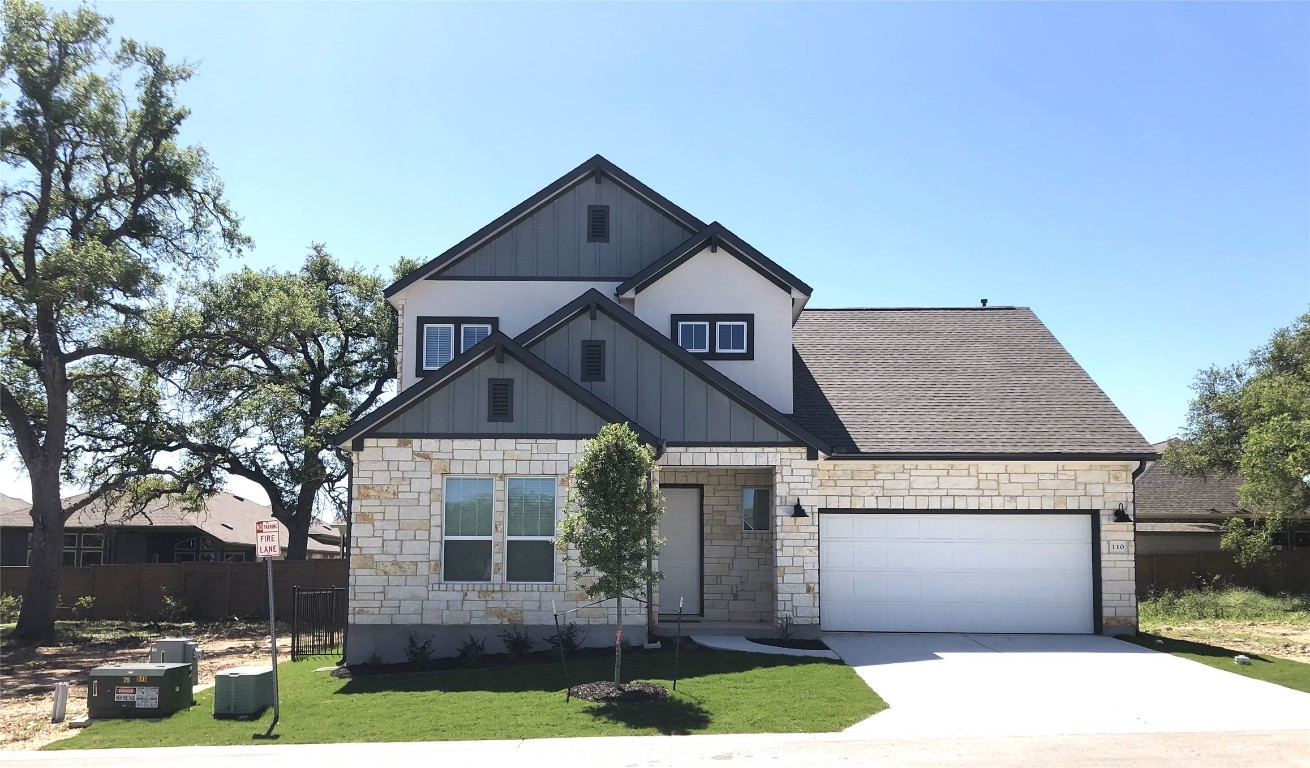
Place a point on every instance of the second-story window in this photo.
(441, 339)
(715, 337)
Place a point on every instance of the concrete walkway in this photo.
(1042, 685)
(1229, 750)
(729, 643)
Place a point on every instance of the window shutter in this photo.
(500, 400)
(598, 223)
(593, 360)
(438, 345)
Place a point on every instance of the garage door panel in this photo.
(957, 572)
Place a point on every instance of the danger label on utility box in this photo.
(140, 696)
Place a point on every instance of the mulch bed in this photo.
(798, 643)
(607, 692)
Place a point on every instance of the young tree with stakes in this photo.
(611, 520)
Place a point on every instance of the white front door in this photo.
(965, 572)
(680, 557)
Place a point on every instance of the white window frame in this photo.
(745, 522)
(445, 536)
(704, 324)
(427, 364)
(745, 337)
(554, 527)
(464, 346)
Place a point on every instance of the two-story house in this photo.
(849, 469)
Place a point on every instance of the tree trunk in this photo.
(618, 645)
(298, 533)
(36, 621)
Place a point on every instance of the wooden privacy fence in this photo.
(205, 590)
(1288, 571)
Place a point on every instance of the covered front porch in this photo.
(718, 558)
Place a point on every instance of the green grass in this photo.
(1225, 604)
(1285, 672)
(718, 692)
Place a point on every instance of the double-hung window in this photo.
(466, 518)
(440, 339)
(529, 549)
(715, 337)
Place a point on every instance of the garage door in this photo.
(909, 572)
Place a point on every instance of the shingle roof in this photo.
(1165, 495)
(226, 517)
(9, 503)
(941, 381)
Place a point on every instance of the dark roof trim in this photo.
(592, 168)
(990, 456)
(715, 236)
(594, 300)
(497, 344)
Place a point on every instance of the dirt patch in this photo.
(1267, 638)
(28, 675)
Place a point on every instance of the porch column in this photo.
(796, 539)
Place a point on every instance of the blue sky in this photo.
(1138, 174)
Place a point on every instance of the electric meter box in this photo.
(138, 690)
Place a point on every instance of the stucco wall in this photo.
(519, 305)
(717, 283)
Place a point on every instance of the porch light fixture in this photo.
(798, 510)
(1121, 516)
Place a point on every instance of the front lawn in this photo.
(1285, 672)
(718, 692)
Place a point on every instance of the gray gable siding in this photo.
(460, 407)
(552, 242)
(652, 388)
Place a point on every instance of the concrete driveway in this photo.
(1039, 685)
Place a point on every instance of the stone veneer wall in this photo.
(738, 567)
(931, 486)
(396, 547)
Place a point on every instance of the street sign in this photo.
(266, 539)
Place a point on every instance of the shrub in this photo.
(10, 607)
(785, 627)
(472, 652)
(174, 610)
(518, 644)
(82, 606)
(419, 654)
(374, 660)
(570, 638)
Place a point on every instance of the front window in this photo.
(755, 509)
(529, 549)
(438, 346)
(471, 334)
(694, 337)
(467, 529)
(730, 337)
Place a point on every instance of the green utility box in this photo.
(139, 690)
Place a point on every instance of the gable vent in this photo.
(500, 400)
(598, 223)
(593, 360)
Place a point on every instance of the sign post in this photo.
(268, 547)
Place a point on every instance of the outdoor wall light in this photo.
(798, 510)
(1121, 516)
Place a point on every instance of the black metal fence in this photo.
(318, 621)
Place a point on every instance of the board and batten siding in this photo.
(657, 391)
(459, 407)
(552, 242)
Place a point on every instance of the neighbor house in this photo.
(900, 469)
(223, 530)
(1180, 514)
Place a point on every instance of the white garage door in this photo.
(955, 572)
